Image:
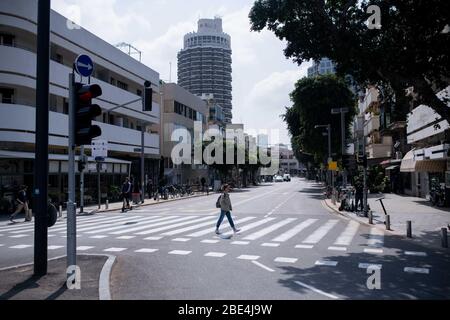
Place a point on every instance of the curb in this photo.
(104, 292)
(396, 233)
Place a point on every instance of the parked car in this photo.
(278, 179)
(287, 177)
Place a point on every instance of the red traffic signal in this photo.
(86, 112)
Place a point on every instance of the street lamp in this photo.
(342, 111)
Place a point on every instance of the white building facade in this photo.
(120, 76)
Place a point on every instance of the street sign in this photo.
(332, 165)
(84, 65)
(99, 149)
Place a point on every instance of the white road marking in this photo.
(51, 235)
(248, 257)
(252, 225)
(146, 250)
(332, 248)
(321, 232)
(181, 239)
(265, 231)
(209, 241)
(2, 245)
(125, 237)
(99, 223)
(294, 231)
(211, 230)
(98, 237)
(55, 247)
(21, 246)
(84, 248)
(326, 263)
(376, 238)
(171, 226)
(285, 260)
(417, 270)
(304, 246)
(115, 249)
(241, 243)
(153, 238)
(416, 253)
(279, 205)
(270, 245)
(143, 224)
(20, 236)
(373, 250)
(369, 265)
(263, 266)
(348, 234)
(180, 252)
(316, 290)
(215, 254)
(197, 226)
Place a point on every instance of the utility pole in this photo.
(99, 168)
(342, 111)
(42, 119)
(365, 176)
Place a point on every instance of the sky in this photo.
(262, 76)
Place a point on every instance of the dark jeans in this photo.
(222, 215)
(126, 199)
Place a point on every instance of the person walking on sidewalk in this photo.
(224, 203)
(126, 192)
(22, 201)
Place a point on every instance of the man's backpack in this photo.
(218, 202)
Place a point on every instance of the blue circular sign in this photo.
(84, 65)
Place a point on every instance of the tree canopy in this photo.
(410, 49)
(313, 99)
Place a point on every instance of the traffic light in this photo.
(85, 112)
(349, 162)
(361, 160)
(148, 97)
(82, 162)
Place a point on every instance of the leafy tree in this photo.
(313, 99)
(410, 49)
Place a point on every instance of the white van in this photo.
(287, 177)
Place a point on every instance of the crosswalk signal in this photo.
(86, 112)
(148, 96)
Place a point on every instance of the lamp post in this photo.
(328, 127)
(342, 111)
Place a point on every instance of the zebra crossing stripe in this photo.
(373, 250)
(84, 248)
(172, 226)
(376, 238)
(154, 223)
(21, 246)
(294, 231)
(145, 250)
(253, 225)
(369, 266)
(180, 252)
(321, 232)
(54, 247)
(416, 270)
(20, 236)
(182, 230)
(215, 254)
(326, 263)
(241, 243)
(115, 249)
(347, 235)
(248, 257)
(125, 237)
(181, 239)
(211, 230)
(337, 248)
(267, 244)
(209, 241)
(101, 228)
(285, 260)
(101, 222)
(415, 253)
(272, 228)
(153, 238)
(304, 246)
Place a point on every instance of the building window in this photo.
(7, 95)
(122, 85)
(7, 40)
(112, 81)
(139, 92)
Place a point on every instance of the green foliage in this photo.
(410, 49)
(313, 99)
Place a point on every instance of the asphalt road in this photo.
(290, 247)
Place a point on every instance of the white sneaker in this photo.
(217, 231)
(237, 230)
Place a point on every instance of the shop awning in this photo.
(392, 167)
(55, 157)
(408, 163)
(431, 166)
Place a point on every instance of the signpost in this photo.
(100, 153)
(84, 65)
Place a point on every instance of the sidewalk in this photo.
(18, 283)
(427, 220)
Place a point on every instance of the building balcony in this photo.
(17, 125)
(380, 150)
(371, 125)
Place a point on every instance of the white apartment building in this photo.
(120, 76)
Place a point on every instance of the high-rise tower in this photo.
(204, 64)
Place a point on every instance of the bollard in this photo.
(370, 217)
(388, 222)
(60, 211)
(444, 238)
(107, 204)
(409, 229)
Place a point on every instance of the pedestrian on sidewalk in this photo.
(126, 193)
(359, 195)
(22, 204)
(224, 202)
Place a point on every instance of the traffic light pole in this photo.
(81, 181)
(142, 161)
(344, 172)
(71, 206)
(365, 178)
(42, 120)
